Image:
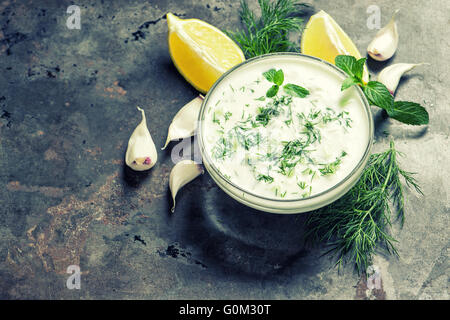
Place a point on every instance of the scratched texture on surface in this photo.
(68, 106)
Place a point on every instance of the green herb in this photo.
(247, 140)
(291, 155)
(265, 178)
(331, 168)
(276, 77)
(215, 120)
(312, 133)
(302, 185)
(262, 98)
(378, 95)
(409, 112)
(307, 194)
(272, 91)
(269, 32)
(295, 90)
(283, 100)
(222, 149)
(265, 114)
(289, 121)
(227, 115)
(270, 74)
(358, 222)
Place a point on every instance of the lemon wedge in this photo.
(325, 39)
(200, 51)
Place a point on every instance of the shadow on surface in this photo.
(134, 178)
(240, 240)
(376, 66)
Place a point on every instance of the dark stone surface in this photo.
(67, 108)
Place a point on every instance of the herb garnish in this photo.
(268, 33)
(263, 177)
(357, 223)
(295, 90)
(227, 115)
(330, 168)
(277, 77)
(215, 120)
(264, 115)
(223, 148)
(378, 95)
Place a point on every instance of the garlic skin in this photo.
(141, 152)
(182, 173)
(390, 76)
(385, 43)
(184, 123)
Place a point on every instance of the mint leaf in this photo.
(262, 98)
(346, 64)
(379, 95)
(278, 78)
(350, 81)
(295, 90)
(272, 91)
(358, 68)
(270, 75)
(409, 113)
(354, 68)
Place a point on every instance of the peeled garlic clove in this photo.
(185, 121)
(141, 151)
(385, 43)
(390, 76)
(182, 173)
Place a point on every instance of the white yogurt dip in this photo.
(295, 144)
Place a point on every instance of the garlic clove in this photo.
(185, 121)
(385, 43)
(141, 151)
(182, 173)
(390, 76)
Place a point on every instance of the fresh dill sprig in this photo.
(268, 32)
(356, 224)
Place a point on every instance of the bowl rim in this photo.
(211, 164)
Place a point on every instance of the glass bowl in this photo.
(285, 206)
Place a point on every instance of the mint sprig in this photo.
(277, 78)
(377, 94)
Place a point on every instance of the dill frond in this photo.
(358, 223)
(269, 32)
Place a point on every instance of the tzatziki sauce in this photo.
(281, 129)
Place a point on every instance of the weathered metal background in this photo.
(67, 108)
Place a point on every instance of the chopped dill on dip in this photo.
(285, 130)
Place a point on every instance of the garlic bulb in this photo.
(390, 76)
(385, 43)
(182, 173)
(185, 121)
(141, 151)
